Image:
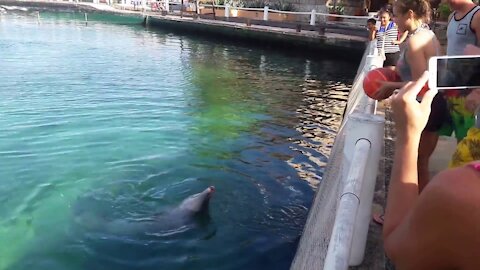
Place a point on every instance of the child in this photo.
(371, 28)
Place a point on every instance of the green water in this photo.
(119, 121)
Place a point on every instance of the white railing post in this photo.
(167, 6)
(312, 17)
(227, 10)
(144, 5)
(265, 13)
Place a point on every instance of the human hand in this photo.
(384, 91)
(472, 101)
(471, 50)
(411, 116)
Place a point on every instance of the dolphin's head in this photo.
(198, 203)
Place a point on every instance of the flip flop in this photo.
(379, 218)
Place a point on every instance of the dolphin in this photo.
(190, 210)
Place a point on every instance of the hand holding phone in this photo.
(454, 72)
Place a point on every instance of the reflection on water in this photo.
(115, 124)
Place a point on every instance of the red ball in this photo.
(424, 89)
(374, 78)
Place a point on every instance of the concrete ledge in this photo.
(335, 45)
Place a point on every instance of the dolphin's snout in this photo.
(210, 190)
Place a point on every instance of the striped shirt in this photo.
(389, 34)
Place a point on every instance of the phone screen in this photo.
(458, 72)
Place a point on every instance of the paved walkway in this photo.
(442, 154)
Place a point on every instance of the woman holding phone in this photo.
(437, 229)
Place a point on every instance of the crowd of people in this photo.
(430, 223)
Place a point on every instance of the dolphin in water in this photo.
(190, 210)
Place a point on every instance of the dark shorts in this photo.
(439, 114)
(391, 59)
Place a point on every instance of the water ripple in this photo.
(112, 122)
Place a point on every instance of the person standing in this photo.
(463, 29)
(463, 26)
(413, 16)
(438, 228)
(387, 36)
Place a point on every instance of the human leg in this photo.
(428, 142)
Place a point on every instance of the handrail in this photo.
(343, 229)
(291, 12)
(363, 135)
(337, 226)
(239, 8)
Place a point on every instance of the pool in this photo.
(117, 122)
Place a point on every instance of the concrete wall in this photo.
(345, 48)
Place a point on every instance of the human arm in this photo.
(387, 89)
(372, 34)
(472, 101)
(440, 230)
(475, 25)
(402, 38)
(411, 228)
(410, 119)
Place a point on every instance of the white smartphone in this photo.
(454, 72)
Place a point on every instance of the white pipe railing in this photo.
(313, 14)
(344, 226)
(363, 142)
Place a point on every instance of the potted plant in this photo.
(337, 9)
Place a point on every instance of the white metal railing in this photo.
(363, 131)
(343, 230)
(165, 5)
(313, 13)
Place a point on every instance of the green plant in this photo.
(277, 5)
(443, 11)
(254, 4)
(283, 6)
(336, 8)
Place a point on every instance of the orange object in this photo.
(374, 78)
(424, 89)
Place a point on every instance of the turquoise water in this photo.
(117, 122)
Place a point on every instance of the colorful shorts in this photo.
(460, 120)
